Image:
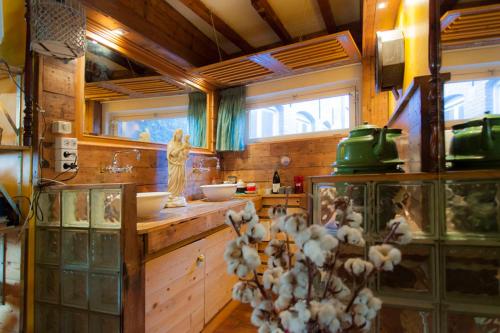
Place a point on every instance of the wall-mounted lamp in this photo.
(382, 5)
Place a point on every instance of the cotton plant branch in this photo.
(308, 294)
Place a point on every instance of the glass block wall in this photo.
(449, 279)
(78, 261)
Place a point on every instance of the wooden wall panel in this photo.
(150, 173)
(310, 157)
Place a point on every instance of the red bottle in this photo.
(299, 184)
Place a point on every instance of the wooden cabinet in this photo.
(186, 287)
(218, 283)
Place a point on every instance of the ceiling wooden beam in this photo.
(327, 15)
(207, 15)
(447, 5)
(160, 23)
(269, 15)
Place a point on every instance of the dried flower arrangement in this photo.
(302, 291)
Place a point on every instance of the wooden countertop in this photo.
(195, 209)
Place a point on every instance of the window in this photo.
(159, 130)
(327, 113)
(472, 98)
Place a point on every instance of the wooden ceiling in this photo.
(476, 26)
(143, 87)
(317, 53)
(193, 33)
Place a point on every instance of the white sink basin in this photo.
(219, 192)
(150, 204)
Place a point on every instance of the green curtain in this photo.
(231, 120)
(197, 118)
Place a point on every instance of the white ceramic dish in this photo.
(219, 192)
(150, 204)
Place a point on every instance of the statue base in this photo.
(176, 202)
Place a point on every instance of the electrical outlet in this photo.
(61, 127)
(66, 143)
(66, 155)
(65, 166)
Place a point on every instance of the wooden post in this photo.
(28, 70)
(436, 158)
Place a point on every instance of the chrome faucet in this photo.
(114, 168)
(201, 168)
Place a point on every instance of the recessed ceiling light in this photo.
(119, 32)
(382, 5)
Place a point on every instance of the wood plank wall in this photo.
(309, 157)
(10, 320)
(57, 98)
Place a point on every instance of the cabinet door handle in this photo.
(200, 259)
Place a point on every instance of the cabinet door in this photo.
(175, 291)
(218, 283)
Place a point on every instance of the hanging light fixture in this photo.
(58, 28)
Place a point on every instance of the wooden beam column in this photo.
(269, 15)
(208, 16)
(327, 15)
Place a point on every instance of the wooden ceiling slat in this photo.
(308, 54)
(333, 43)
(471, 26)
(269, 15)
(324, 52)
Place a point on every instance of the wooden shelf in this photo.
(13, 148)
(8, 229)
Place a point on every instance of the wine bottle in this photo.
(276, 182)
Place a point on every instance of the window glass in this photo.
(470, 99)
(160, 130)
(324, 114)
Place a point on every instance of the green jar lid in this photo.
(493, 118)
(367, 129)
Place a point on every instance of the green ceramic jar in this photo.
(368, 149)
(476, 143)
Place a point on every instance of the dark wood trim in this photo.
(436, 159)
(200, 9)
(327, 15)
(186, 42)
(447, 5)
(269, 15)
(133, 290)
(28, 83)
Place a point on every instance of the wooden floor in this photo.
(234, 318)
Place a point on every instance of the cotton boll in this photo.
(249, 211)
(295, 223)
(233, 217)
(339, 289)
(327, 317)
(256, 232)
(375, 303)
(271, 278)
(242, 271)
(384, 256)
(355, 219)
(328, 242)
(251, 257)
(283, 302)
(403, 234)
(371, 314)
(295, 320)
(302, 237)
(350, 235)
(261, 313)
(312, 249)
(359, 320)
(244, 292)
(358, 267)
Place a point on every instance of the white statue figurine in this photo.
(177, 154)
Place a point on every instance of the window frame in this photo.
(308, 94)
(476, 75)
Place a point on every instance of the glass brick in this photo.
(47, 318)
(106, 209)
(415, 273)
(395, 319)
(327, 197)
(75, 209)
(75, 289)
(75, 321)
(48, 245)
(471, 273)
(472, 209)
(105, 293)
(75, 248)
(415, 202)
(50, 209)
(47, 284)
(102, 323)
(472, 323)
(105, 250)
